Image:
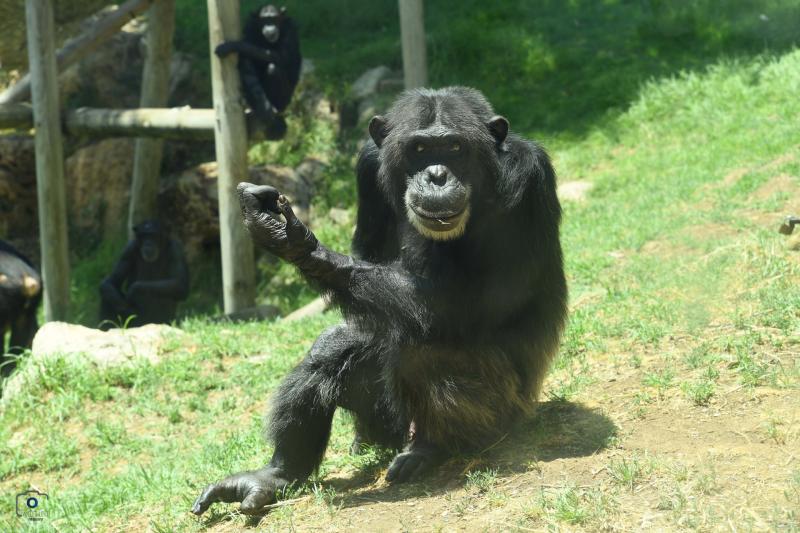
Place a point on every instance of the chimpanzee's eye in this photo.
(455, 147)
(420, 147)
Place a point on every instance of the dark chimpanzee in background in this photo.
(148, 281)
(453, 309)
(20, 294)
(269, 65)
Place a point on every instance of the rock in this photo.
(189, 201)
(340, 216)
(367, 84)
(259, 312)
(311, 170)
(312, 308)
(18, 204)
(101, 348)
(574, 191)
(98, 188)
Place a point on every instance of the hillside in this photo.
(673, 404)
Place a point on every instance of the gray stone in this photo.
(574, 191)
(315, 307)
(367, 84)
(100, 348)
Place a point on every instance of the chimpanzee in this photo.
(269, 66)
(454, 305)
(20, 294)
(148, 281)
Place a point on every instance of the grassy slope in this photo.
(685, 307)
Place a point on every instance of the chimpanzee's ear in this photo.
(283, 10)
(378, 130)
(498, 126)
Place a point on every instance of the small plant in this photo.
(629, 472)
(482, 480)
(700, 392)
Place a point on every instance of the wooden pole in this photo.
(49, 158)
(231, 145)
(166, 123)
(412, 34)
(80, 46)
(155, 91)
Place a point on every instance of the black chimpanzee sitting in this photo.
(269, 65)
(148, 281)
(20, 294)
(453, 305)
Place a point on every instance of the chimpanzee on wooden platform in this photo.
(20, 294)
(269, 65)
(148, 281)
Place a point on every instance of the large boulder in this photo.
(99, 348)
(189, 201)
(98, 180)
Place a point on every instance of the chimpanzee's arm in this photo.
(176, 284)
(380, 294)
(111, 287)
(243, 48)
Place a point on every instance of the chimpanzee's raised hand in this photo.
(261, 205)
(253, 489)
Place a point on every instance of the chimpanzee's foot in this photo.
(413, 463)
(253, 489)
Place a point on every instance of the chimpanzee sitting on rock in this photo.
(269, 66)
(20, 294)
(148, 281)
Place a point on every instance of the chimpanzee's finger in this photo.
(217, 492)
(256, 198)
(255, 501)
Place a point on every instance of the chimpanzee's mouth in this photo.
(439, 221)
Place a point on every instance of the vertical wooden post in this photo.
(412, 34)
(155, 91)
(238, 269)
(49, 158)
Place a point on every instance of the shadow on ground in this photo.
(556, 430)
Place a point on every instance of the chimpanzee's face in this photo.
(149, 248)
(437, 157)
(270, 18)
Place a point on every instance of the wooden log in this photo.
(412, 35)
(174, 123)
(155, 91)
(167, 123)
(16, 116)
(49, 158)
(77, 48)
(238, 268)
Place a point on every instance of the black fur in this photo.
(20, 295)
(445, 342)
(148, 291)
(269, 70)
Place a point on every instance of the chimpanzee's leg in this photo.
(254, 92)
(334, 373)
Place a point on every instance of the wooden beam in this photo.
(16, 116)
(77, 48)
(49, 158)
(412, 34)
(155, 92)
(167, 123)
(238, 268)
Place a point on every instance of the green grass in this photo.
(686, 286)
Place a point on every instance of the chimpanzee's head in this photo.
(271, 18)
(150, 239)
(438, 151)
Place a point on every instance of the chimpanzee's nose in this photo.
(437, 174)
